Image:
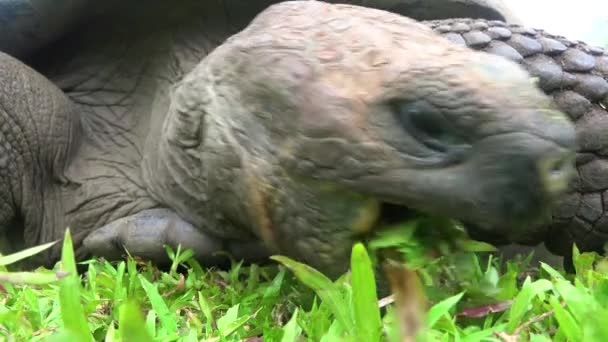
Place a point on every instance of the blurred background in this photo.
(585, 20)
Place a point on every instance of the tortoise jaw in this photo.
(389, 214)
(394, 214)
(498, 237)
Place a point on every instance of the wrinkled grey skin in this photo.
(144, 128)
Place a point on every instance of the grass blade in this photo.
(167, 319)
(567, 323)
(131, 324)
(31, 278)
(72, 311)
(442, 308)
(230, 326)
(365, 301)
(291, 330)
(230, 316)
(26, 253)
(324, 288)
(110, 334)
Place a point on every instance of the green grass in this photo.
(451, 294)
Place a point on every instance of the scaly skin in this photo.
(295, 132)
(575, 75)
(38, 131)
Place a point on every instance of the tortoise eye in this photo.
(425, 123)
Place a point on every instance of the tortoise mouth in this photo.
(392, 214)
(395, 214)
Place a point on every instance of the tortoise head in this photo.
(342, 111)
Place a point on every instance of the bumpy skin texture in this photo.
(38, 133)
(575, 75)
(294, 132)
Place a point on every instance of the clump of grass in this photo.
(135, 301)
(446, 291)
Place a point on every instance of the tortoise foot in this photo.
(146, 234)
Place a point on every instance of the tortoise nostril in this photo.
(559, 167)
(556, 171)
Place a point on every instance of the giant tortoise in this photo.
(261, 127)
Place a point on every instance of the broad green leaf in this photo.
(204, 305)
(206, 309)
(131, 325)
(254, 277)
(192, 335)
(482, 335)
(602, 267)
(394, 236)
(232, 324)
(594, 327)
(442, 308)
(600, 293)
(508, 286)
(64, 336)
(167, 319)
(120, 292)
(272, 292)
(567, 323)
(92, 278)
(334, 333)
(540, 286)
(476, 246)
(523, 300)
(539, 338)
(584, 263)
(391, 325)
(151, 322)
(520, 305)
(111, 334)
(291, 330)
(230, 316)
(365, 301)
(552, 272)
(324, 288)
(579, 302)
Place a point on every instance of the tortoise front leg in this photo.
(39, 131)
(146, 234)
